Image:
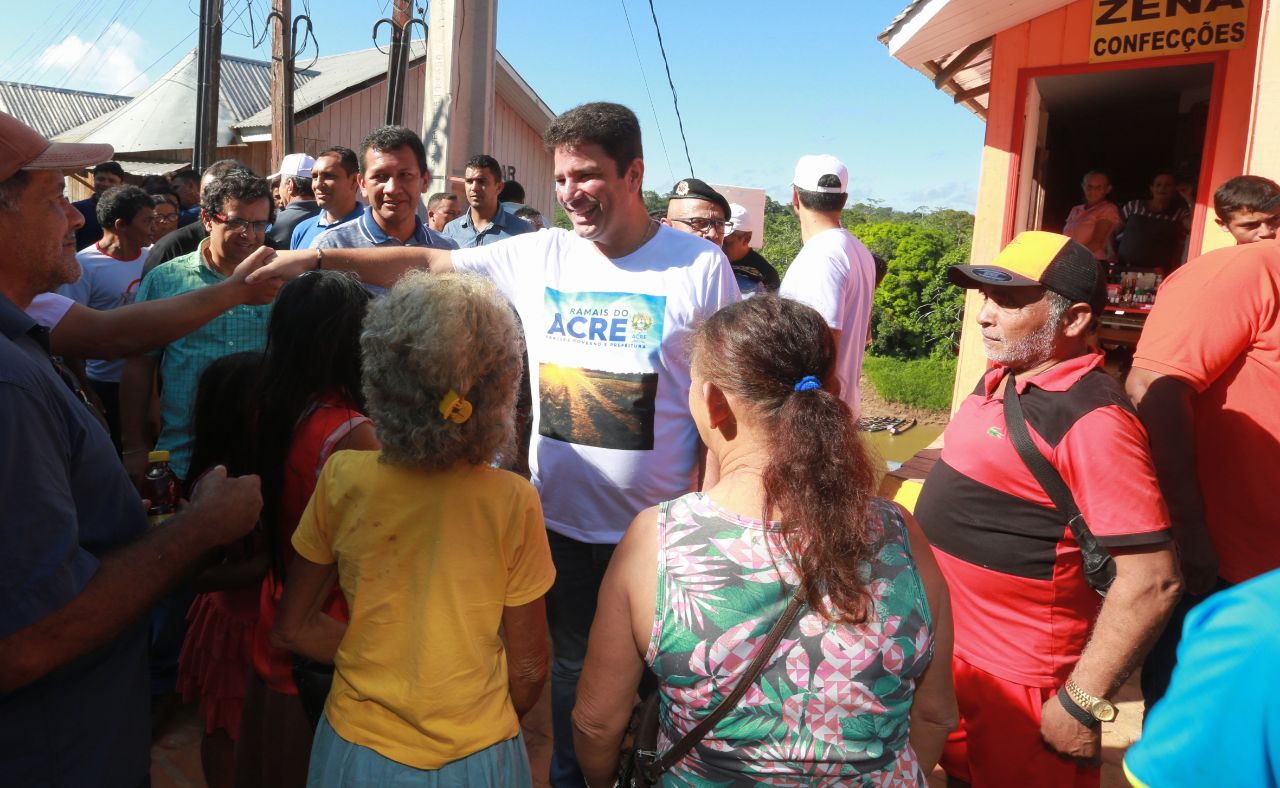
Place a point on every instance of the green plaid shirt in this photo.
(182, 361)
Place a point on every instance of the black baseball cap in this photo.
(694, 189)
(1049, 260)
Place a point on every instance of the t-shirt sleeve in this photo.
(313, 539)
(815, 279)
(1219, 723)
(501, 262)
(48, 309)
(44, 565)
(1106, 463)
(530, 571)
(723, 287)
(1197, 352)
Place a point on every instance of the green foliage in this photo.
(916, 310)
(922, 382)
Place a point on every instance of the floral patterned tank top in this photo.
(833, 704)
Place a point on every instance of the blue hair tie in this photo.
(808, 383)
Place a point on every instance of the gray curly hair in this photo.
(433, 333)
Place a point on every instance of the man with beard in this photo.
(608, 309)
(1035, 658)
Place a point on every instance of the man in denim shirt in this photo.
(485, 221)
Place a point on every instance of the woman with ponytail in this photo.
(859, 689)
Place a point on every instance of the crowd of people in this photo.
(435, 453)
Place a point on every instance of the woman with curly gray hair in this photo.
(443, 559)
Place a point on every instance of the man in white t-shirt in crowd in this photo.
(607, 311)
(110, 271)
(834, 273)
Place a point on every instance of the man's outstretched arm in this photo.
(137, 328)
(380, 266)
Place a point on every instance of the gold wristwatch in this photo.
(1100, 709)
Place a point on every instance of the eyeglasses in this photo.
(164, 218)
(242, 226)
(700, 225)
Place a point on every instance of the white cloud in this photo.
(105, 66)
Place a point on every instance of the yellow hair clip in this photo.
(454, 408)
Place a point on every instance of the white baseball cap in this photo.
(739, 218)
(295, 165)
(811, 171)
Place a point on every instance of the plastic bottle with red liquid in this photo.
(160, 487)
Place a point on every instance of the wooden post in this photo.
(281, 82)
(458, 112)
(208, 71)
(398, 63)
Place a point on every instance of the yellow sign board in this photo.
(1133, 29)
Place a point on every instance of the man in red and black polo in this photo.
(1036, 657)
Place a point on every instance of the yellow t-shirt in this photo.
(427, 562)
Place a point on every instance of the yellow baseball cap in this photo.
(1039, 259)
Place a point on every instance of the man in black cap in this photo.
(697, 209)
(1035, 657)
(105, 176)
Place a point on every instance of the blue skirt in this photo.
(337, 763)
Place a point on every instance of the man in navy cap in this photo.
(698, 209)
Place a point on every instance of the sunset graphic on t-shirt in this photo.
(591, 407)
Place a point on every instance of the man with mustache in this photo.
(1035, 657)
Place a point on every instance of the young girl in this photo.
(309, 405)
(214, 659)
(443, 559)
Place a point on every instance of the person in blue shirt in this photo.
(107, 175)
(335, 180)
(393, 177)
(1219, 722)
(485, 221)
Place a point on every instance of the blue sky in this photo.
(760, 84)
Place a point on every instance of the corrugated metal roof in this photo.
(900, 20)
(246, 84)
(52, 111)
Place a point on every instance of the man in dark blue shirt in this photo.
(78, 567)
(105, 176)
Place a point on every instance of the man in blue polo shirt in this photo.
(393, 176)
(78, 567)
(485, 221)
(335, 182)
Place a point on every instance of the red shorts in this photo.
(998, 742)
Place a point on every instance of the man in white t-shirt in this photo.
(607, 311)
(834, 273)
(110, 271)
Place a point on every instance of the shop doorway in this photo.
(1128, 123)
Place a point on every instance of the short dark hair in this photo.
(882, 267)
(185, 175)
(223, 167)
(512, 191)
(111, 167)
(483, 161)
(162, 198)
(1246, 193)
(302, 185)
(121, 202)
(822, 202)
(528, 213)
(236, 185)
(611, 126)
(12, 190)
(386, 138)
(438, 198)
(345, 156)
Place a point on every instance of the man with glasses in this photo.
(235, 211)
(698, 209)
(834, 273)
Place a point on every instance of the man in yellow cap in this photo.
(1035, 659)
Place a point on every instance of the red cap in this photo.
(23, 148)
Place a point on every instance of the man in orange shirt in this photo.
(1205, 379)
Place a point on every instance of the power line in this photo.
(674, 99)
(670, 171)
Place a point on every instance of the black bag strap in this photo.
(1099, 566)
(687, 742)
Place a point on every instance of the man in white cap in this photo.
(834, 273)
(753, 272)
(78, 567)
(296, 194)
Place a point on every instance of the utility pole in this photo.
(208, 72)
(398, 62)
(460, 53)
(281, 82)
